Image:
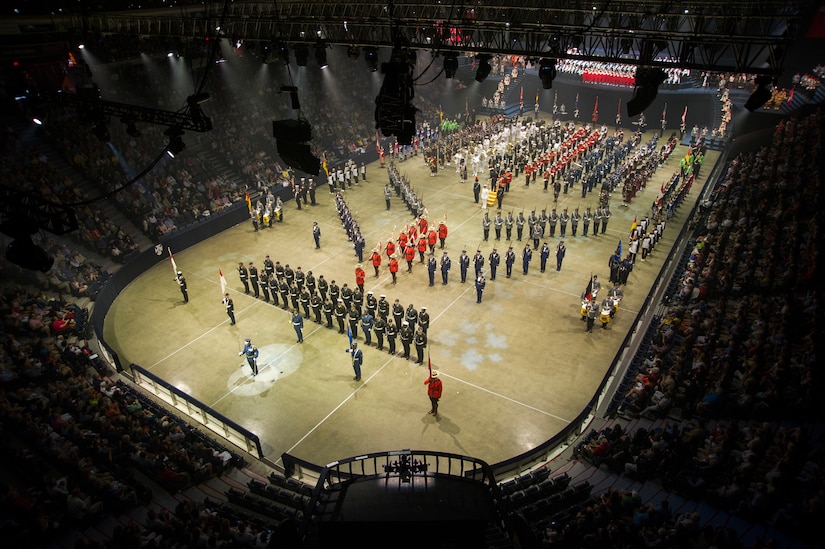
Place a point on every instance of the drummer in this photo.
(616, 294)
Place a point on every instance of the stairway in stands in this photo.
(214, 164)
(36, 137)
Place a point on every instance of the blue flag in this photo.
(349, 335)
(619, 249)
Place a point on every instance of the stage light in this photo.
(484, 67)
(283, 53)
(371, 58)
(131, 129)
(25, 253)
(176, 144)
(450, 64)
(321, 55)
(647, 88)
(547, 72)
(100, 131)
(762, 93)
(37, 121)
(301, 55)
(81, 46)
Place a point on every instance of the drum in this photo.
(266, 218)
(277, 214)
(605, 316)
(585, 306)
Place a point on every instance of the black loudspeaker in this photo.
(297, 131)
(299, 156)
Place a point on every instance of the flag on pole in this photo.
(790, 95)
(521, 96)
(429, 362)
(248, 202)
(633, 225)
(324, 164)
(223, 282)
(172, 259)
(596, 110)
(349, 335)
(684, 116)
(537, 96)
(588, 291)
(619, 248)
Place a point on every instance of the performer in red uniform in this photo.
(442, 233)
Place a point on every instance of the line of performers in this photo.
(403, 190)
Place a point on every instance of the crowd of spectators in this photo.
(75, 436)
(27, 168)
(732, 359)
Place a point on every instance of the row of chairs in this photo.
(556, 504)
(523, 481)
(281, 495)
(292, 484)
(534, 492)
(266, 507)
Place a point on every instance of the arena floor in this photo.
(516, 368)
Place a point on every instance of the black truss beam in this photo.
(735, 35)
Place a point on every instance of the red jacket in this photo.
(432, 238)
(376, 259)
(434, 389)
(442, 231)
(422, 244)
(359, 276)
(393, 265)
(390, 249)
(409, 253)
(422, 225)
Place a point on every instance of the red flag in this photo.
(596, 110)
(589, 290)
(521, 95)
(172, 259)
(684, 116)
(790, 95)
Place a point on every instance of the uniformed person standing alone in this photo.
(230, 309)
(251, 354)
(182, 283)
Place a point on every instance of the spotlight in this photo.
(176, 144)
(131, 129)
(37, 121)
(547, 72)
(321, 55)
(647, 88)
(450, 64)
(484, 67)
(762, 93)
(371, 57)
(27, 254)
(302, 55)
(100, 130)
(283, 53)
